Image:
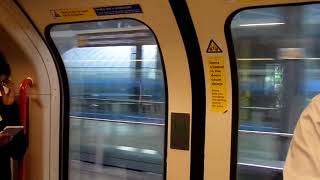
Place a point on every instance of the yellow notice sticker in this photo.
(218, 86)
(73, 14)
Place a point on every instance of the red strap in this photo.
(23, 108)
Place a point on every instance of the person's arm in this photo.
(303, 158)
(18, 144)
(4, 141)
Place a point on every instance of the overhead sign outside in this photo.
(85, 13)
(291, 53)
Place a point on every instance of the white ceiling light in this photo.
(255, 59)
(261, 24)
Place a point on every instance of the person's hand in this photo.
(8, 98)
(4, 139)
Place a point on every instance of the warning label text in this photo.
(217, 84)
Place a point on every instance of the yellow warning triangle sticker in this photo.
(55, 14)
(213, 47)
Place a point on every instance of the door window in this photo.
(117, 99)
(278, 66)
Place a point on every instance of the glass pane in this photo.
(278, 63)
(117, 100)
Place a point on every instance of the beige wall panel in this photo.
(39, 132)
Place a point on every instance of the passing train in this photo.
(162, 89)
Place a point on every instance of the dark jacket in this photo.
(17, 147)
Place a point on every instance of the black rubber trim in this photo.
(64, 101)
(65, 110)
(234, 81)
(235, 101)
(191, 43)
(64, 166)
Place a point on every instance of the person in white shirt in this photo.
(303, 158)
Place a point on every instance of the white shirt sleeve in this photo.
(303, 158)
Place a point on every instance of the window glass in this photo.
(117, 99)
(278, 63)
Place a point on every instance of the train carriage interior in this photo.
(161, 90)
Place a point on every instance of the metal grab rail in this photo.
(287, 135)
(115, 121)
(23, 108)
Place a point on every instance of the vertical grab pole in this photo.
(23, 108)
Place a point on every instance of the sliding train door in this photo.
(126, 88)
(261, 62)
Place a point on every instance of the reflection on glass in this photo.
(279, 72)
(117, 100)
